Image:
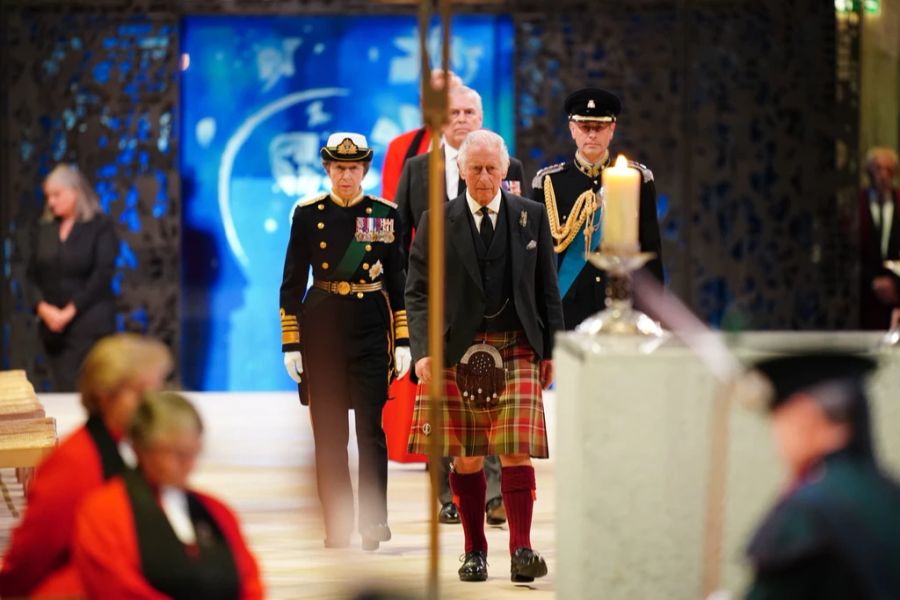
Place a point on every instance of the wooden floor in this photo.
(258, 458)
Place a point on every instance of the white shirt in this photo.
(493, 210)
(451, 169)
(876, 209)
(175, 506)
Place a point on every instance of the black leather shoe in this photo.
(526, 565)
(449, 513)
(495, 511)
(474, 567)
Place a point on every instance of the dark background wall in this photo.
(737, 107)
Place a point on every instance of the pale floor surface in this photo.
(258, 458)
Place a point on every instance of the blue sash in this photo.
(573, 262)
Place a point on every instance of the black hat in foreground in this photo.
(834, 379)
(593, 104)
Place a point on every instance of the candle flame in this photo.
(621, 162)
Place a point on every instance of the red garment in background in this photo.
(37, 562)
(398, 151)
(105, 547)
(397, 415)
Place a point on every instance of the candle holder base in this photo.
(620, 317)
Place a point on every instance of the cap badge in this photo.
(347, 147)
(591, 104)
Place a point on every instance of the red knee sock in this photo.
(517, 485)
(470, 488)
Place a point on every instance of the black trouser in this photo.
(346, 361)
(491, 473)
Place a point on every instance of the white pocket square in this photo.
(531, 245)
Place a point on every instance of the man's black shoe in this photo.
(495, 511)
(449, 513)
(526, 565)
(474, 566)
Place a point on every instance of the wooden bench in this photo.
(26, 434)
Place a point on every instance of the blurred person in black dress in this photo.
(70, 270)
(879, 240)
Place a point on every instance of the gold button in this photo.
(321, 206)
(368, 247)
(325, 265)
(369, 210)
(321, 225)
(323, 245)
(343, 288)
(365, 266)
(597, 279)
(360, 295)
(362, 280)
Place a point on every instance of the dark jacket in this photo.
(78, 270)
(535, 292)
(412, 193)
(837, 535)
(587, 295)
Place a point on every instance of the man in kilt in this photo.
(502, 311)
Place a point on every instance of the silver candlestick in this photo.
(620, 316)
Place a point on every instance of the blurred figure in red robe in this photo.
(114, 375)
(146, 535)
(397, 414)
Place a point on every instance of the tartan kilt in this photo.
(515, 425)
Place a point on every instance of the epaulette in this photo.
(312, 199)
(644, 169)
(390, 203)
(538, 181)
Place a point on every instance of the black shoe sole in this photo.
(473, 578)
(529, 575)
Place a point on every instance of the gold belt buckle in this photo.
(343, 288)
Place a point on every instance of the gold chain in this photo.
(584, 207)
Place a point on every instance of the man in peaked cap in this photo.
(339, 338)
(835, 533)
(592, 115)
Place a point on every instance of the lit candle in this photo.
(621, 193)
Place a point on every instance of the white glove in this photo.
(402, 360)
(293, 363)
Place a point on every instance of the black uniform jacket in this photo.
(570, 179)
(412, 192)
(78, 270)
(356, 244)
(535, 292)
(837, 535)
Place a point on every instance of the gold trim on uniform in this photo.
(401, 324)
(325, 265)
(368, 247)
(323, 245)
(321, 225)
(290, 330)
(344, 288)
(347, 203)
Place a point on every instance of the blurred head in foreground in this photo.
(115, 374)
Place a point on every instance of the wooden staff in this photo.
(434, 108)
